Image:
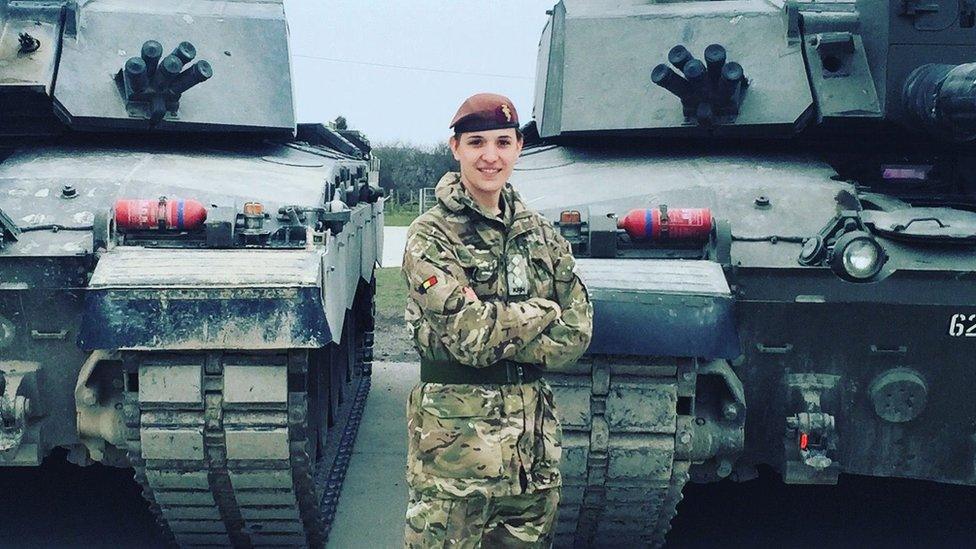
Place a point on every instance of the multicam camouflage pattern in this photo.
(547, 320)
(469, 440)
(489, 440)
(511, 521)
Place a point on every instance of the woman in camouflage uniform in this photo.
(493, 302)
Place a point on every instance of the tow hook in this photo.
(811, 438)
(815, 437)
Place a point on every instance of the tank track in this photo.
(221, 467)
(333, 478)
(622, 477)
(339, 449)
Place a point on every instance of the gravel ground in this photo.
(393, 343)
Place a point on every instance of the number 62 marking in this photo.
(961, 325)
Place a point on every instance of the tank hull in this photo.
(880, 358)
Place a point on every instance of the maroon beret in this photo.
(485, 111)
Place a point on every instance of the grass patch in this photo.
(400, 215)
(398, 219)
(391, 293)
(393, 340)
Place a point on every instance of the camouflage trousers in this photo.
(525, 520)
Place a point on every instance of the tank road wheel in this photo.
(350, 344)
(623, 469)
(343, 365)
(334, 381)
(224, 445)
(348, 415)
(366, 326)
(343, 359)
(319, 399)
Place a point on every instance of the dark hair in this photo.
(518, 134)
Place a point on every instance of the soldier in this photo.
(493, 302)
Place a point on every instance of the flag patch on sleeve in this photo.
(428, 284)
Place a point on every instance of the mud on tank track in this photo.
(260, 474)
(258, 478)
(622, 466)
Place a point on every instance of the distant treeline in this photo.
(404, 168)
(408, 168)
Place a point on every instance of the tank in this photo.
(773, 205)
(186, 273)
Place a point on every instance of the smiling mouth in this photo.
(489, 171)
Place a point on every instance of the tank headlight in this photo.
(857, 256)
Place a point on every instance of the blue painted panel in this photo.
(223, 318)
(660, 307)
(640, 323)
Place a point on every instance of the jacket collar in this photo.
(453, 196)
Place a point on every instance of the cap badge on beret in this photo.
(506, 112)
(485, 111)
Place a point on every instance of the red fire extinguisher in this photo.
(162, 214)
(668, 224)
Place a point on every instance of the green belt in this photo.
(504, 372)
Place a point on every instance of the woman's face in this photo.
(487, 158)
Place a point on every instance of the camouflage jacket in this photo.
(530, 308)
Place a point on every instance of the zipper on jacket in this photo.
(504, 263)
(522, 474)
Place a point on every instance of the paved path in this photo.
(394, 240)
(374, 495)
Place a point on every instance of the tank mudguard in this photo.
(142, 299)
(660, 307)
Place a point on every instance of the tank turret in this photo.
(942, 100)
(114, 72)
(754, 67)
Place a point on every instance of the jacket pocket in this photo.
(458, 436)
(548, 441)
(480, 266)
(543, 271)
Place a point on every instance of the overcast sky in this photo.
(398, 69)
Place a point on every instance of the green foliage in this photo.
(408, 168)
(340, 123)
(400, 214)
(404, 170)
(391, 293)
